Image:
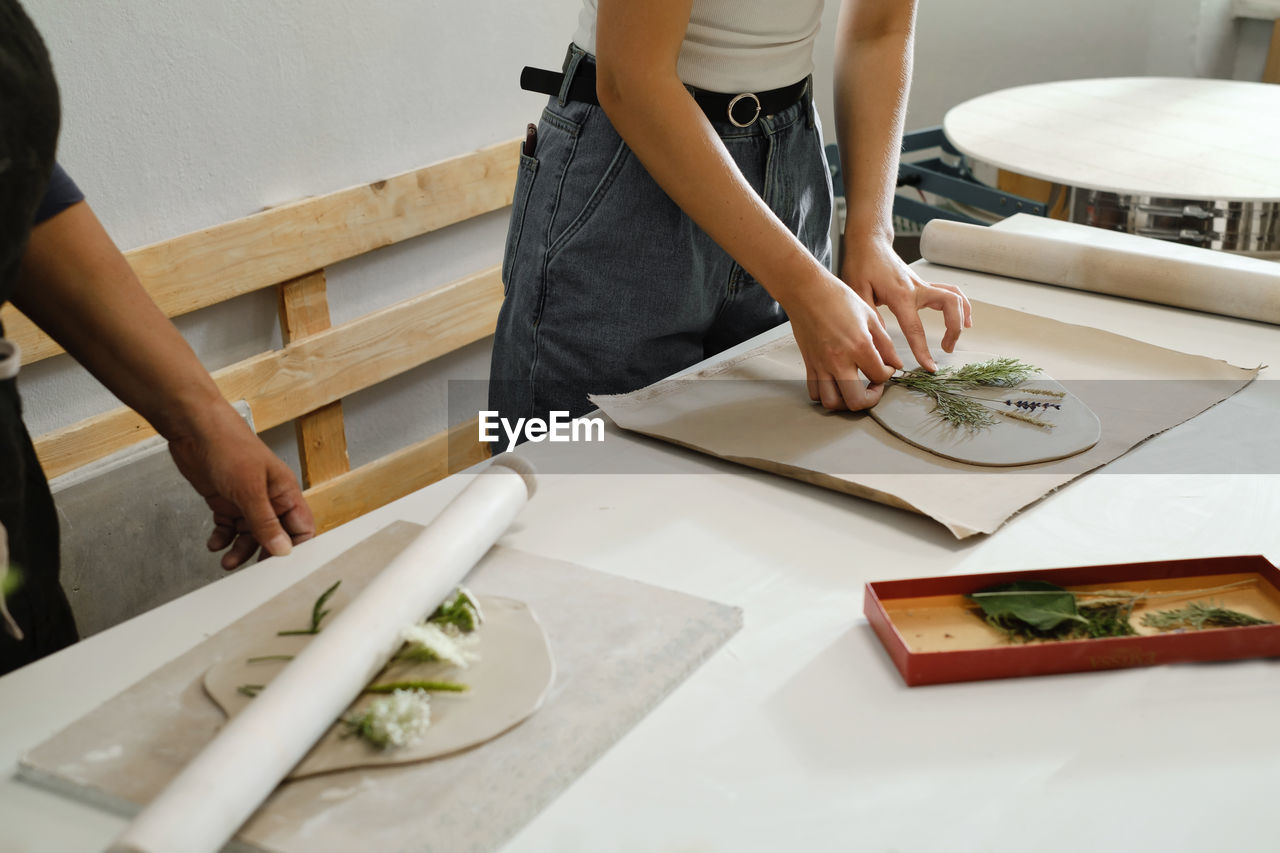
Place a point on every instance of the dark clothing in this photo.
(29, 116)
(61, 193)
(39, 606)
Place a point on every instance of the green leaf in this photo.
(1038, 604)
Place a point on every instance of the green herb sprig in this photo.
(252, 690)
(1037, 610)
(318, 612)
(1199, 615)
(945, 388)
(439, 686)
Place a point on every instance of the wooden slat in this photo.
(1271, 73)
(215, 264)
(315, 371)
(322, 437)
(393, 476)
(303, 306)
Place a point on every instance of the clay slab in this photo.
(505, 685)
(910, 416)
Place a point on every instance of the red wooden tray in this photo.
(933, 637)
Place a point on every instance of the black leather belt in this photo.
(741, 110)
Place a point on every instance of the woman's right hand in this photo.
(840, 337)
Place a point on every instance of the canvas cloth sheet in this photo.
(766, 420)
(620, 646)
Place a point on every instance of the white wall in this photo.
(179, 115)
(965, 49)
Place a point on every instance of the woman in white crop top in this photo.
(646, 233)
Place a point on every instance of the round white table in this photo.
(1191, 160)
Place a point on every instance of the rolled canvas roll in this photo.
(222, 786)
(1217, 283)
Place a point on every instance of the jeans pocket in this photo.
(598, 163)
(519, 202)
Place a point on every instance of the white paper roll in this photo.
(222, 786)
(1217, 283)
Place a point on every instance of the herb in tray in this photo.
(1027, 611)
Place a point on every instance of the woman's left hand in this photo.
(876, 273)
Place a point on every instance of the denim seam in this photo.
(568, 125)
(535, 328)
(526, 170)
(611, 173)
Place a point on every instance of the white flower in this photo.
(459, 614)
(398, 719)
(429, 641)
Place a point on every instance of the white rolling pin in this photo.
(1214, 282)
(222, 786)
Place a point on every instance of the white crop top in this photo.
(737, 45)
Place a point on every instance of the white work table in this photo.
(800, 733)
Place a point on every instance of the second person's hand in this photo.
(256, 502)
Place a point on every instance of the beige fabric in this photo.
(769, 422)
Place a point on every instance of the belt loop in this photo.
(807, 98)
(571, 61)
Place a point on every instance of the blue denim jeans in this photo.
(609, 285)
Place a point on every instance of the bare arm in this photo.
(637, 45)
(77, 286)
(874, 41)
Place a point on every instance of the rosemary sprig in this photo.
(265, 658)
(945, 388)
(1199, 615)
(250, 690)
(317, 614)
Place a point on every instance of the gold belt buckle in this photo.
(733, 103)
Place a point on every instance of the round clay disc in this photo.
(1075, 428)
(506, 684)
